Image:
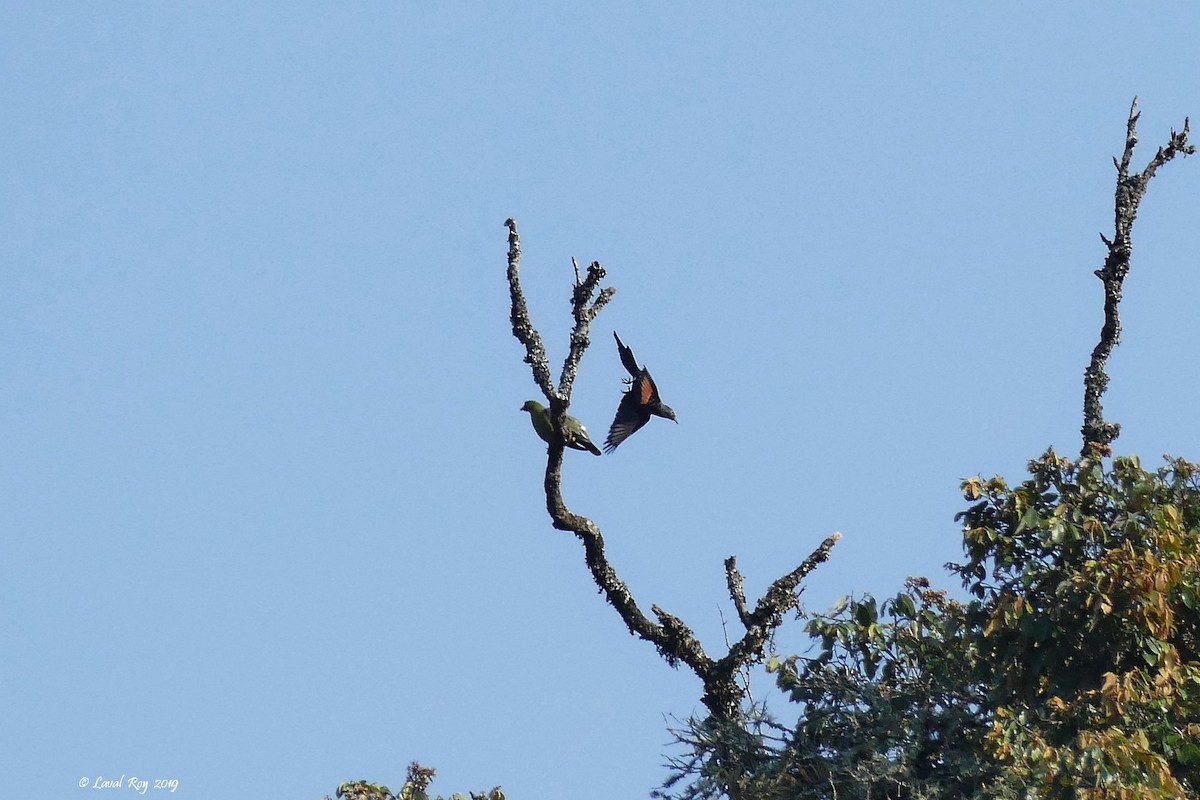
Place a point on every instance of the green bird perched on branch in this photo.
(577, 436)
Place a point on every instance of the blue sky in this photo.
(269, 514)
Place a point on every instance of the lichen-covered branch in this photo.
(737, 592)
(1098, 434)
(781, 596)
(673, 639)
(584, 311)
(535, 352)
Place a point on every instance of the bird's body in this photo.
(577, 436)
(638, 404)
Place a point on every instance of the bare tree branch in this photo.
(603, 574)
(535, 353)
(584, 314)
(780, 597)
(673, 639)
(1098, 434)
(737, 593)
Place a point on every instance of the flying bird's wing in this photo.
(627, 358)
(632, 413)
(647, 392)
(629, 419)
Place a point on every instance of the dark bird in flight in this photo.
(638, 404)
(577, 435)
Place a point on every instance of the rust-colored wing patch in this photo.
(645, 388)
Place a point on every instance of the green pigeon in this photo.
(638, 404)
(577, 436)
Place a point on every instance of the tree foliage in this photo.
(1072, 673)
(416, 782)
(1084, 627)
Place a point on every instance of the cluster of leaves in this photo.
(415, 784)
(1071, 673)
(1086, 626)
(890, 707)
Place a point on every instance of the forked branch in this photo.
(673, 639)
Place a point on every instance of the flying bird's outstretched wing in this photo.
(631, 414)
(627, 357)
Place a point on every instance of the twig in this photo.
(1098, 434)
(583, 313)
(733, 579)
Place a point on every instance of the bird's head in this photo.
(533, 407)
(666, 411)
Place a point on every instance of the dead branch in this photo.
(1098, 434)
(673, 639)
